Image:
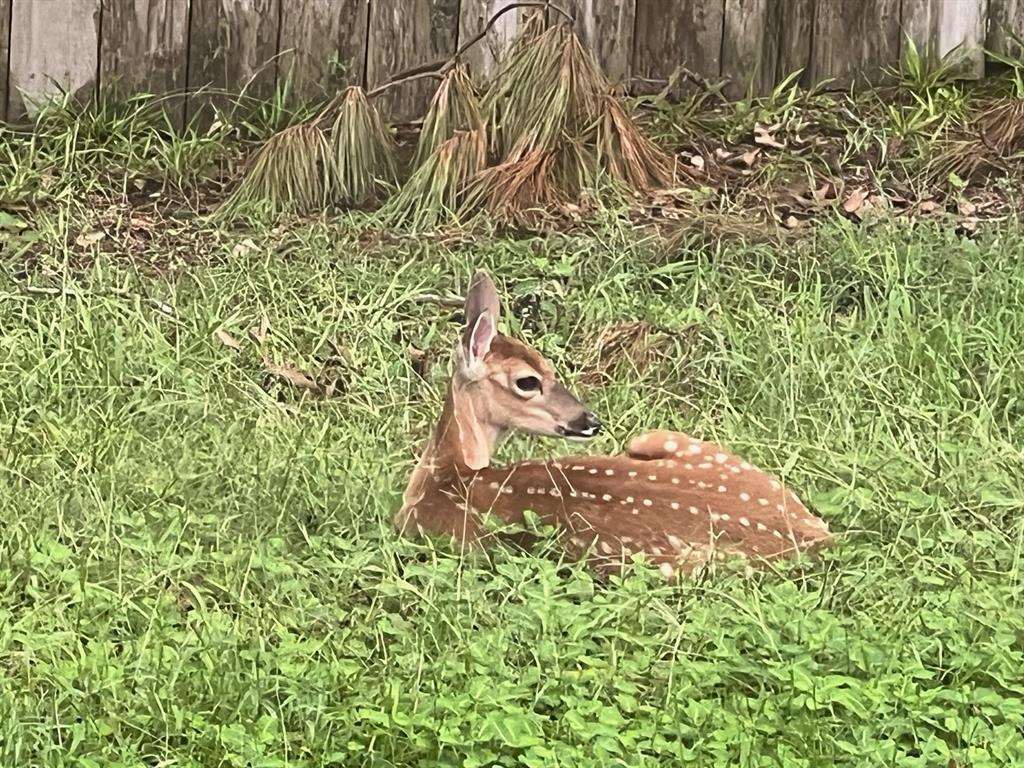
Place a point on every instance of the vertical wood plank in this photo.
(53, 49)
(606, 27)
(323, 46)
(669, 33)
(405, 34)
(232, 44)
(788, 45)
(144, 49)
(937, 27)
(1005, 16)
(855, 41)
(746, 58)
(485, 56)
(5, 38)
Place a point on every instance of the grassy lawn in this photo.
(196, 561)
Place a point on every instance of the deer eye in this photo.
(527, 384)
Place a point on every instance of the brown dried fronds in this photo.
(291, 171)
(626, 153)
(434, 192)
(362, 149)
(518, 191)
(549, 86)
(635, 343)
(1000, 139)
(454, 107)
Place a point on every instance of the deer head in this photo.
(501, 384)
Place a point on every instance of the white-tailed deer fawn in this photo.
(680, 501)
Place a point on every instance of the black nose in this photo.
(584, 425)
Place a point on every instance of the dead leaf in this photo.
(927, 206)
(722, 154)
(260, 332)
(291, 376)
(763, 136)
(227, 339)
(748, 157)
(91, 237)
(421, 360)
(966, 207)
(791, 222)
(697, 162)
(855, 201)
(244, 247)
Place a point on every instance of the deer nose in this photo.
(585, 425)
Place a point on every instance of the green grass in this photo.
(196, 570)
(196, 561)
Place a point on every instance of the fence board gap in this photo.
(5, 39)
(53, 50)
(854, 42)
(486, 55)
(937, 28)
(746, 58)
(1004, 17)
(322, 44)
(606, 27)
(144, 49)
(232, 49)
(406, 34)
(670, 33)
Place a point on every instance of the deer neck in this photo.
(462, 443)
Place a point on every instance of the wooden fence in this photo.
(200, 51)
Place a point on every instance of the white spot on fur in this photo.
(629, 500)
(744, 496)
(694, 449)
(721, 458)
(667, 570)
(653, 478)
(776, 485)
(675, 542)
(635, 511)
(675, 481)
(632, 474)
(705, 465)
(671, 446)
(578, 468)
(674, 505)
(745, 465)
(694, 511)
(609, 472)
(556, 493)
(607, 497)
(648, 502)
(722, 489)
(777, 534)
(762, 527)
(530, 491)
(592, 471)
(744, 522)
(605, 547)
(494, 486)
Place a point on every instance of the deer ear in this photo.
(476, 343)
(482, 308)
(481, 297)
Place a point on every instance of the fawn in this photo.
(678, 500)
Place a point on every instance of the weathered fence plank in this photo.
(53, 50)
(674, 33)
(606, 27)
(788, 42)
(232, 45)
(1004, 17)
(405, 34)
(144, 49)
(855, 41)
(322, 45)
(938, 27)
(473, 16)
(5, 38)
(744, 53)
